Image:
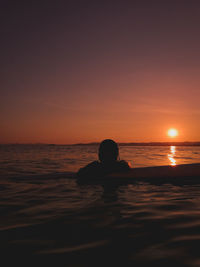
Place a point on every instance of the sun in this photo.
(172, 133)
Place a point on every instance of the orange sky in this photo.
(125, 71)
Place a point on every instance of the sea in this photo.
(48, 219)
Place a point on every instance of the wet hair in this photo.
(108, 151)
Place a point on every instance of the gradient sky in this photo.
(82, 71)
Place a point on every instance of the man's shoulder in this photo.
(88, 169)
(124, 164)
(93, 164)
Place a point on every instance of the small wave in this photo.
(55, 175)
(183, 157)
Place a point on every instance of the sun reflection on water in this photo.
(171, 156)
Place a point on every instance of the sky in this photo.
(82, 71)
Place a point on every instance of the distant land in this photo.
(187, 143)
(149, 144)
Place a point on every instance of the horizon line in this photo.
(119, 143)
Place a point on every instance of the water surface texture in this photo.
(48, 219)
(41, 159)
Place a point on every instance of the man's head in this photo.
(108, 151)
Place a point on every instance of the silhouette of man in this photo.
(108, 162)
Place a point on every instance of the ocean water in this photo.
(48, 219)
(20, 160)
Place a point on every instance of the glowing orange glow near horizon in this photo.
(172, 133)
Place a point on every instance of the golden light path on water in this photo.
(171, 156)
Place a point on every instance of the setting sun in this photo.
(172, 133)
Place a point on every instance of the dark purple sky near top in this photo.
(80, 71)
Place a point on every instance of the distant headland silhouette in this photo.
(186, 143)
